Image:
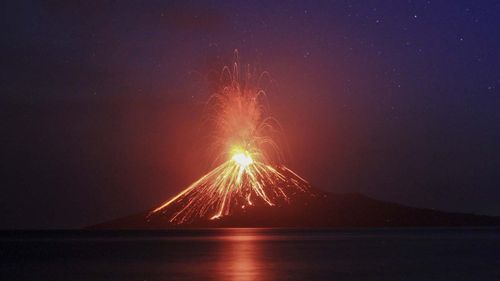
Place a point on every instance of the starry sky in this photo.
(101, 101)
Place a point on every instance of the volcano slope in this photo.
(313, 209)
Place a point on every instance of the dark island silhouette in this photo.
(316, 210)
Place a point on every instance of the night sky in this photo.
(101, 102)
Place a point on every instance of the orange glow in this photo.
(243, 257)
(243, 133)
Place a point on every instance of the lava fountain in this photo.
(244, 137)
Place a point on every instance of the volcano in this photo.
(244, 140)
(250, 185)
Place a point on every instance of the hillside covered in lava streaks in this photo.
(233, 188)
(314, 209)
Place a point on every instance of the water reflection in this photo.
(252, 254)
(242, 257)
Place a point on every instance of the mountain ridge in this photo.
(321, 209)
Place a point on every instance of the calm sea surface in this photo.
(253, 254)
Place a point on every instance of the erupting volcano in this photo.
(245, 136)
(250, 186)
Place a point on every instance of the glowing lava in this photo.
(252, 173)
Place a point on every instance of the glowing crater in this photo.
(243, 159)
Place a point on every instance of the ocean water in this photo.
(253, 254)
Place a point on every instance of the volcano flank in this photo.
(312, 209)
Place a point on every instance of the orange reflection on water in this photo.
(242, 258)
